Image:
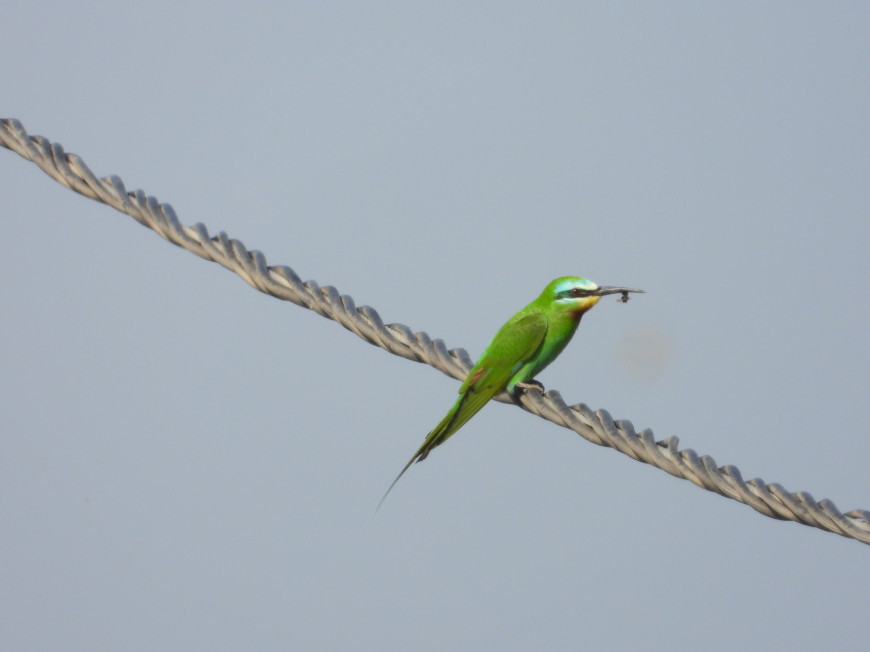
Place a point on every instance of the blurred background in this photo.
(187, 464)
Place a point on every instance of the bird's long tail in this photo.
(401, 473)
(465, 407)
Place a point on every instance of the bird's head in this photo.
(577, 295)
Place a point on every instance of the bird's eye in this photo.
(577, 292)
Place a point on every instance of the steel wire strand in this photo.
(280, 281)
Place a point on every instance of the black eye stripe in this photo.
(574, 293)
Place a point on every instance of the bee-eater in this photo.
(528, 342)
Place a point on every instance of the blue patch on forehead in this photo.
(582, 283)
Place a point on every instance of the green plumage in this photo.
(528, 342)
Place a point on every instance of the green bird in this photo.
(528, 342)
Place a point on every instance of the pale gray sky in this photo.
(187, 464)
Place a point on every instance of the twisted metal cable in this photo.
(279, 281)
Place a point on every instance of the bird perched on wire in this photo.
(528, 342)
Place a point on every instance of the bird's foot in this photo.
(524, 387)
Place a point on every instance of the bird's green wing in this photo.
(510, 349)
(515, 343)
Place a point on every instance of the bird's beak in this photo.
(609, 289)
